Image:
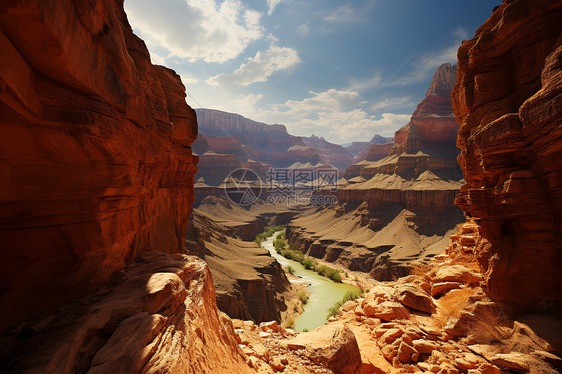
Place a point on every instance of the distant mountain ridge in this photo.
(228, 141)
(219, 123)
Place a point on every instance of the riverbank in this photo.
(324, 293)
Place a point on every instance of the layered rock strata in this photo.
(96, 160)
(250, 284)
(427, 141)
(399, 209)
(508, 100)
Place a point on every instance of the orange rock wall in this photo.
(508, 100)
(96, 165)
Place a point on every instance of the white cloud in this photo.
(259, 68)
(188, 79)
(196, 29)
(304, 29)
(271, 4)
(156, 59)
(321, 113)
(337, 114)
(460, 33)
(390, 103)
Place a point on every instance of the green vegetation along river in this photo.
(324, 293)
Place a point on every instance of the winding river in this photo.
(324, 293)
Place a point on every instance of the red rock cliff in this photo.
(508, 100)
(96, 165)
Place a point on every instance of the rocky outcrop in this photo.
(158, 315)
(377, 151)
(409, 326)
(96, 165)
(215, 167)
(230, 145)
(508, 100)
(373, 152)
(219, 123)
(427, 142)
(330, 153)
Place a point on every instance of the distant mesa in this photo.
(394, 200)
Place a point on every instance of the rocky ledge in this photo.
(158, 315)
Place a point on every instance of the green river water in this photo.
(324, 293)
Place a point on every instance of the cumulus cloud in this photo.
(338, 114)
(196, 29)
(271, 4)
(259, 68)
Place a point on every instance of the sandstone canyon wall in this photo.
(96, 181)
(96, 159)
(508, 101)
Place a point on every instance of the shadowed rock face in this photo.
(433, 123)
(96, 160)
(508, 100)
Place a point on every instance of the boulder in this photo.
(387, 310)
(457, 273)
(332, 345)
(513, 361)
(441, 288)
(416, 298)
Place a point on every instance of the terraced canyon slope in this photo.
(399, 209)
(249, 283)
(508, 100)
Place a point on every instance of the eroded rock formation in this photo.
(398, 208)
(250, 284)
(508, 101)
(96, 160)
(158, 315)
(96, 184)
(258, 146)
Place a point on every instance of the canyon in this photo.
(111, 263)
(395, 208)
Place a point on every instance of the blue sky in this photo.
(345, 70)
